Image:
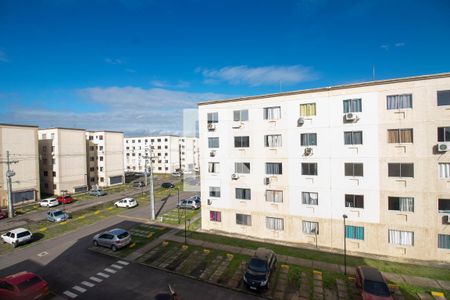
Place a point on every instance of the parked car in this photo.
(23, 285)
(191, 203)
(97, 192)
(259, 269)
(3, 214)
(126, 202)
(66, 199)
(17, 236)
(372, 284)
(138, 184)
(114, 239)
(57, 216)
(167, 185)
(176, 174)
(49, 202)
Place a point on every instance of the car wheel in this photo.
(117, 206)
(14, 244)
(95, 243)
(114, 248)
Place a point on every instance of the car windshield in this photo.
(376, 288)
(28, 283)
(58, 213)
(123, 235)
(257, 265)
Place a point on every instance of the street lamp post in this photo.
(344, 216)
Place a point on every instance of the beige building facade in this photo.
(289, 166)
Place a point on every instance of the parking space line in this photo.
(125, 263)
(70, 294)
(88, 284)
(93, 278)
(116, 266)
(79, 289)
(110, 270)
(103, 275)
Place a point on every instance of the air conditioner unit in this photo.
(351, 117)
(209, 201)
(446, 219)
(234, 176)
(308, 151)
(237, 125)
(266, 180)
(212, 153)
(300, 122)
(211, 127)
(443, 147)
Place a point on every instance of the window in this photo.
(241, 141)
(355, 201)
(243, 194)
(101, 158)
(309, 169)
(213, 167)
(307, 109)
(274, 196)
(399, 101)
(400, 135)
(444, 205)
(272, 113)
(274, 168)
(443, 134)
(443, 241)
(274, 223)
(310, 198)
(272, 140)
(398, 237)
(443, 98)
(215, 216)
(400, 170)
(213, 142)
(310, 227)
(44, 136)
(54, 174)
(444, 170)
(214, 191)
(45, 173)
(240, 115)
(100, 137)
(212, 118)
(354, 232)
(242, 219)
(353, 138)
(308, 139)
(354, 169)
(401, 203)
(352, 105)
(242, 168)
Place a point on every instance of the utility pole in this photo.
(9, 174)
(145, 170)
(151, 192)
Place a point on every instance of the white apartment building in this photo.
(289, 166)
(169, 153)
(22, 143)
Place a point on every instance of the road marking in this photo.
(43, 254)
(103, 275)
(88, 284)
(79, 289)
(117, 266)
(70, 294)
(125, 263)
(110, 270)
(98, 280)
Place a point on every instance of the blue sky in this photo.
(133, 65)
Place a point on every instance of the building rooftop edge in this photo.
(64, 128)
(18, 125)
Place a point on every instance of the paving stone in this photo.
(420, 281)
(318, 283)
(279, 295)
(318, 290)
(424, 296)
(444, 284)
(393, 277)
(330, 294)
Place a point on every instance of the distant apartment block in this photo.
(169, 153)
(289, 166)
(22, 143)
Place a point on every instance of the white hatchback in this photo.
(126, 202)
(49, 202)
(17, 236)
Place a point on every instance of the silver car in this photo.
(115, 239)
(57, 216)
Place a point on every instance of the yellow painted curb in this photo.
(184, 247)
(230, 256)
(43, 229)
(150, 235)
(165, 243)
(283, 266)
(110, 208)
(62, 223)
(132, 245)
(437, 294)
(206, 251)
(96, 212)
(317, 272)
(81, 217)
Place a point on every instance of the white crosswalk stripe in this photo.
(93, 278)
(125, 263)
(110, 270)
(117, 266)
(103, 275)
(88, 284)
(79, 289)
(70, 294)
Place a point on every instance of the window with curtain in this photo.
(274, 223)
(354, 169)
(213, 117)
(274, 168)
(215, 216)
(354, 232)
(272, 113)
(213, 167)
(400, 135)
(242, 219)
(444, 205)
(399, 101)
(400, 170)
(352, 105)
(403, 238)
(353, 138)
(444, 170)
(443, 241)
(242, 167)
(309, 169)
(243, 194)
(274, 196)
(310, 198)
(354, 201)
(241, 141)
(443, 98)
(240, 115)
(307, 109)
(213, 142)
(443, 134)
(214, 191)
(401, 203)
(310, 227)
(308, 139)
(273, 140)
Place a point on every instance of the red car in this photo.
(372, 284)
(3, 214)
(23, 285)
(65, 199)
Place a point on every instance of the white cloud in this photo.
(3, 57)
(114, 61)
(385, 47)
(164, 84)
(267, 75)
(399, 44)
